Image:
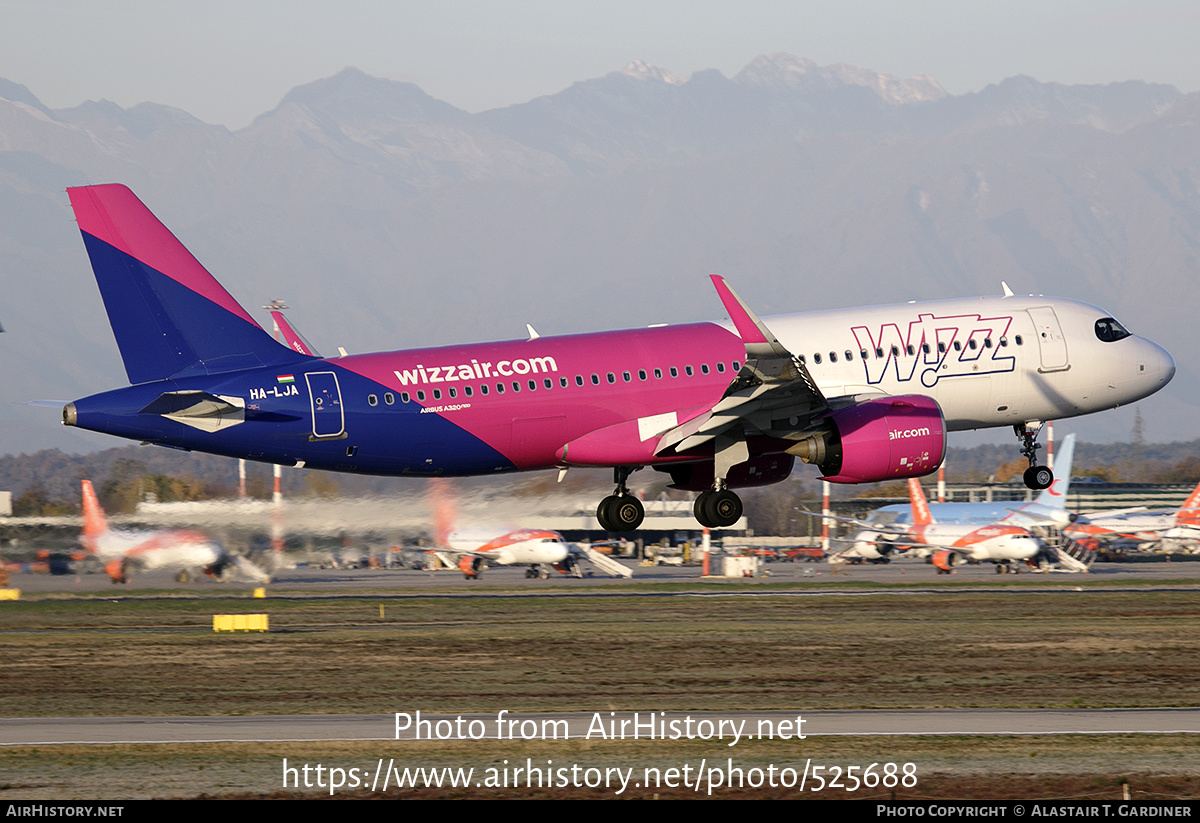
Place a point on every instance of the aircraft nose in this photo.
(1158, 363)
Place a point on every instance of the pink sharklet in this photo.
(98, 210)
(743, 319)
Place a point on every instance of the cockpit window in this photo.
(1108, 330)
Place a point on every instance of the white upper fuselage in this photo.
(990, 361)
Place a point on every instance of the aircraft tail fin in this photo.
(94, 522)
(921, 515)
(441, 500)
(169, 315)
(1189, 512)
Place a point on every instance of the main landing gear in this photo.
(1036, 477)
(717, 508)
(620, 511)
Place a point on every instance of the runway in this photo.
(595, 725)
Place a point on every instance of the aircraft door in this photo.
(1051, 342)
(328, 418)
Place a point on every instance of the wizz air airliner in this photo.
(865, 394)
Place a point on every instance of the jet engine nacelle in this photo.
(471, 565)
(945, 560)
(887, 438)
(759, 470)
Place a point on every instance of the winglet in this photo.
(748, 326)
(295, 339)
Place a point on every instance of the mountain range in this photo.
(389, 219)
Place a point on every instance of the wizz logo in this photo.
(936, 347)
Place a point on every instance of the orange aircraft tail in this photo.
(94, 523)
(1189, 512)
(920, 506)
(442, 501)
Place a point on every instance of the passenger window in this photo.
(562, 381)
(372, 400)
(721, 368)
(658, 374)
(533, 385)
(910, 349)
(579, 380)
(499, 388)
(612, 378)
(925, 348)
(389, 398)
(421, 396)
(957, 345)
(437, 394)
(453, 393)
(688, 371)
(516, 385)
(595, 380)
(641, 374)
(627, 376)
(849, 355)
(1017, 340)
(704, 368)
(817, 358)
(483, 389)
(674, 372)
(879, 351)
(833, 357)
(468, 391)
(941, 348)
(404, 396)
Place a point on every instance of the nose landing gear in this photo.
(1035, 477)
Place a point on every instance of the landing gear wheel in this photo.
(626, 513)
(602, 513)
(718, 509)
(1038, 477)
(620, 513)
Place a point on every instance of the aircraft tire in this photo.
(1038, 477)
(626, 513)
(720, 509)
(602, 512)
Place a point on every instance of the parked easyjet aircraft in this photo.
(1177, 529)
(177, 549)
(540, 549)
(866, 394)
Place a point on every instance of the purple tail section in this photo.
(170, 316)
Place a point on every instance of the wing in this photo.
(772, 389)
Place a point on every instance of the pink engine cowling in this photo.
(885, 439)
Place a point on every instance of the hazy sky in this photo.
(227, 62)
